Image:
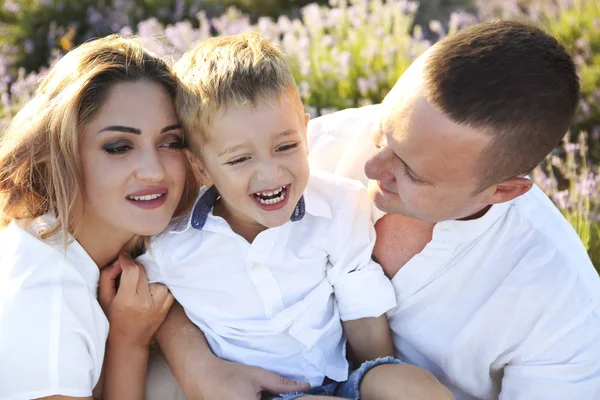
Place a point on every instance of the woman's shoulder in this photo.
(50, 319)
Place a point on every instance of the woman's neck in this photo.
(103, 245)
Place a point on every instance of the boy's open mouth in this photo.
(271, 197)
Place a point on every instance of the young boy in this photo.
(273, 256)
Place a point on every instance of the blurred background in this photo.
(344, 53)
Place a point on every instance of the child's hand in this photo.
(136, 309)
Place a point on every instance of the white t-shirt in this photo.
(277, 302)
(506, 306)
(52, 329)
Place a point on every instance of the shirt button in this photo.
(255, 267)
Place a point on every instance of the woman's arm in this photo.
(135, 312)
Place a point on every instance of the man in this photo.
(498, 298)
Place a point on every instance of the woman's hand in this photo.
(136, 309)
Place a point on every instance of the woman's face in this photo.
(132, 163)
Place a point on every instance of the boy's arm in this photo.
(369, 338)
(202, 375)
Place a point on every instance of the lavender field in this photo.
(343, 54)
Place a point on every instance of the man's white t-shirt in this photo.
(506, 306)
(52, 329)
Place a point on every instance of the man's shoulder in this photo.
(341, 142)
(546, 248)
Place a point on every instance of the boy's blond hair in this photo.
(239, 69)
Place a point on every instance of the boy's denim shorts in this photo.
(348, 389)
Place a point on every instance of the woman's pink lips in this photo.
(149, 204)
(149, 191)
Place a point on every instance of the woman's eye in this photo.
(238, 161)
(286, 147)
(177, 144)
(116, 148)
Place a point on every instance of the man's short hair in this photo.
(238, 69)
(513, 81)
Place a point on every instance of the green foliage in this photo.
(578, 28)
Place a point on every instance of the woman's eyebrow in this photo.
(129, 129)
(170, 128)
(120, 128)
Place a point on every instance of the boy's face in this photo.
(257, 159)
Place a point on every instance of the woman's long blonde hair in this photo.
(40, 168)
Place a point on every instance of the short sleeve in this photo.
(360, 286)
(151, 264)
(52, 335)
(568, 367)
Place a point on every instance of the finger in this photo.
(158, 291)
(129, 277)
(278, 384)
(107, 288)
(143, 287)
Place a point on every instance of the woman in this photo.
(91, 166)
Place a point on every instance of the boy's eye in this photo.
(119, 147)
(238, 160)
(287, 147)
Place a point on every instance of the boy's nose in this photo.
(269, 171)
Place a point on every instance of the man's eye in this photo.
(238, 161)
(412, 178)
(286, 147)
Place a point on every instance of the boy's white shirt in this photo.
(277, 302)
(506, 306)
(52, 329)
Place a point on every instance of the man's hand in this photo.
(232, 381)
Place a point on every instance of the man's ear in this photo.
(198, 168)
(509, 189)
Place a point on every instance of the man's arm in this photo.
(203, 376)
(565, 368)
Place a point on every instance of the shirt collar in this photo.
(463, 231)
(208, 197)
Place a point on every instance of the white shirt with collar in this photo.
(503, 307)
(52, 329)
(277, 302)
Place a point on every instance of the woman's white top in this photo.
(52, 329)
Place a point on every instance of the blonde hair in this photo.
(40, 169)
(238, 69)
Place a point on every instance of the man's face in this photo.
(427, 166)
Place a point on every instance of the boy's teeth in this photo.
(279, 193)
(145, 198)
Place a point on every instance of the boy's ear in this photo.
(509, 189)
(198, 168)
(306, 119)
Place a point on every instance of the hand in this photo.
(136, 310)
(233, 381)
